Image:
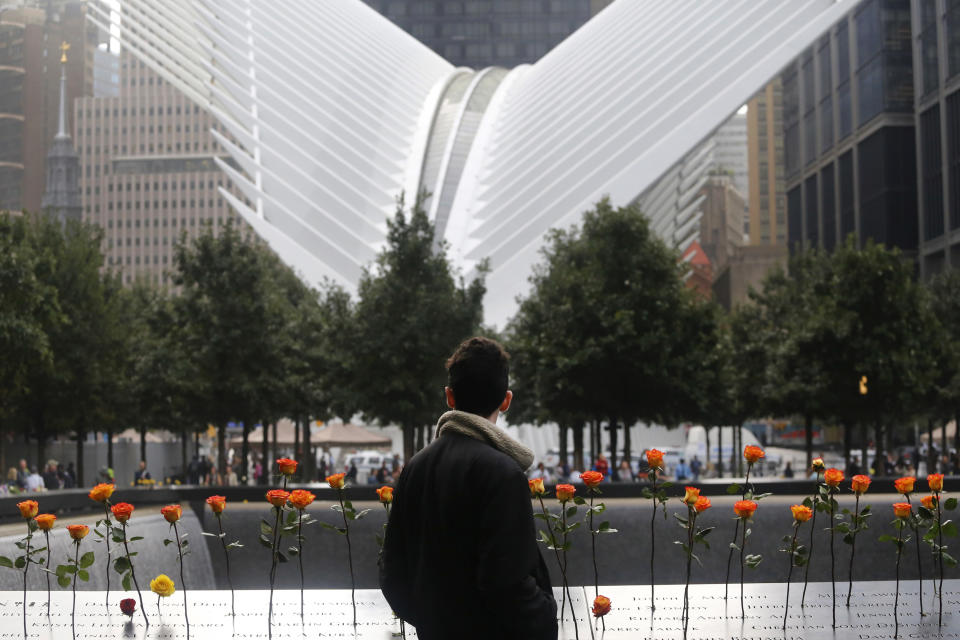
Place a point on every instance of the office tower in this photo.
(148, 171)
(30, 38)
(849, 132)
(766, 198)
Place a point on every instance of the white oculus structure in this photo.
(333, 111)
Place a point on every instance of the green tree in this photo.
(944, 295)
(411, 313)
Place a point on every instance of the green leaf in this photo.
(949, 559)
(265, 528)
(950, 504)
(579, 500)
(167, 542)
(886, 538)
(571, 511)
(234, 545)
(63, 580)
(848, 539)
(666, 485)
(86, 559)
(733, 489)
(281, 557)
(646, 493)
(83, 574)
(20, 562)
(121, 565)
(949, 528)
(6, 562)
(807, 502)
(126, 582)
(135, 538)
(265, 541)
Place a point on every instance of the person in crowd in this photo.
(22, 472)
(563, 471)
(602, 465)
(682, 471)
(382, 473)
(50, 478)
(230, 478)
(395, 464)
(696, 467)
(322, 469)
(488, 580)
(352, 472)
(372, 477)
(34, 481)
(788, 470)
(541, 472)
(70, 477)
(625, 473)
(141, 474)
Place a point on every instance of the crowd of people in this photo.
(26, 478)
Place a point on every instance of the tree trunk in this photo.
(196, 442)
(613, 444)
(956, 432)
(427, 434)
(244, 472)
(408, 443)
(81, 436)
(706, 463)
(41, 452)
(577, 446)
(719, 451)
(267, 467)
(944, 448)
(808, 438)
(880, 451)
(184, 439)
(627, 445)
(417, 438)
(222, 450)
(847, 431)
(593, 445)
(864, 445)
(733, 450)
(110, 449)
(3, 449)
(310, 459)
(143, 442)
(296, 441)
(274, 442)
(564, 430)
(931, 455)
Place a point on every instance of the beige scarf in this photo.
(479, 428)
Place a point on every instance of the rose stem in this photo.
(896, 597)
(743, 545)
(300, 557)
(183, 583)
(346, 529)
(563, 592)
(593, 552)
(692, 516)
(653, 519)
(793, 546)
(736, 530)
(853, 544)
(46, 534)
(26, 567)
(226, 557)
(563, 525)
(940, 557)
(273, 571)
(833, 577)
(133, 575)
(106, 511)
(813, 527)
(916, 539)
(73, 610)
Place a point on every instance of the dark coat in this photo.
(460, 558)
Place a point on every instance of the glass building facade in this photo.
(484, 33)
(850, 132)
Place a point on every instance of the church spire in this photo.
(62, 195)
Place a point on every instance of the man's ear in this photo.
(450, 401)
(506, 401)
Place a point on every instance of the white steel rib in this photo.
(331, 112)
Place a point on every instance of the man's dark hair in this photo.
(477, 372)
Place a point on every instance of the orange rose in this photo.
(655, 458)
(902, 509)
(702, 504)
(752, 454)
(935, 482)
(801, 513)
(860, 484)
(171, 512)
(336, 480)
(536, 487)
(904, 485)
(817, 465)
(277, 497)
(217, 503)
(591, 478)
(930, 502)
(691, 496)
(45, 521)
(744, 508)
(287, 466)
(565, 492)
(28, 508)
(301, 498)
(122, 511)
(833, 478)
(101, 492)
(78, 531)
(385, 493)
(601, 606)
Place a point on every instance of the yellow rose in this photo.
(162, 585)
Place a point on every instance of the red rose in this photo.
(601, 606)
(122, 511)
(277, 497)
(217, 503)
(745, 508)
(128, 606)
(860, 484)
(172, 512)
(904, 485)
(833, 478)
(591, 478)
(565, 492)
(301, 498)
